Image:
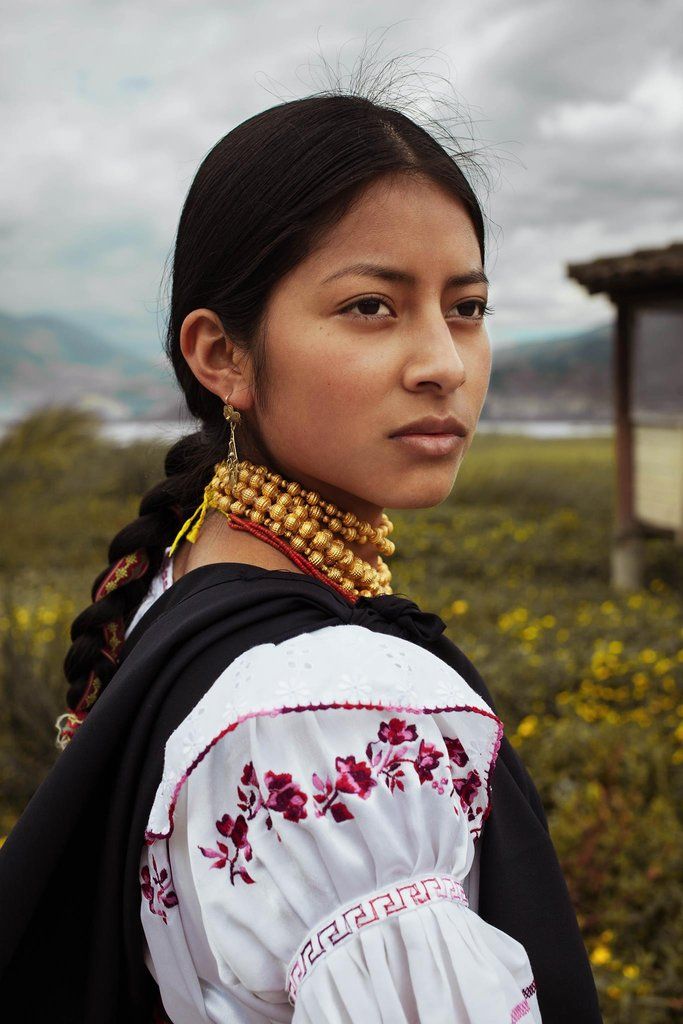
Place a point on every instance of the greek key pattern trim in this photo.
(376, 907)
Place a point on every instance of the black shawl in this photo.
(70, 934)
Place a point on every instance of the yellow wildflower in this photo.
(459, 607)
(601, 955)
(528, 725)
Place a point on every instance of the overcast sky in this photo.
(109, 107)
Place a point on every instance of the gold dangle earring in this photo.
(233, 416)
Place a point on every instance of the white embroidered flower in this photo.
(354, 688)
(293, 691)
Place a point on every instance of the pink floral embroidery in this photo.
(285, 796)
(427, 760)
(456, 751)
(156, 889)
(386, 757)
(236, 830)
(396, 731)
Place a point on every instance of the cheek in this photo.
(331, 387)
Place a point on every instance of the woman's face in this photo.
(343, 383)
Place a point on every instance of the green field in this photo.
(587, 680)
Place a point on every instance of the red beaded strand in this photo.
(294, 556)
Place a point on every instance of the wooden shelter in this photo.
(647, 289)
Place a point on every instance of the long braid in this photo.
(135, 556)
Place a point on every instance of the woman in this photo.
(285, 794)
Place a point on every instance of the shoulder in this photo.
(341, 667)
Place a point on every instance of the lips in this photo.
(433, 425)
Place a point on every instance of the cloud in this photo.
(110, 107)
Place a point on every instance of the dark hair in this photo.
(261, 201)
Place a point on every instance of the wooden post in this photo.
(627, 541)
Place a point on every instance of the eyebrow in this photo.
(475, 276)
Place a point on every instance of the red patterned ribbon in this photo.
(130, 567)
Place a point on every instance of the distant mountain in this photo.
(46, 359)
(562, 378)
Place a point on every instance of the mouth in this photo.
(430, 444)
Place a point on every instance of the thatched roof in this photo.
(645, 269)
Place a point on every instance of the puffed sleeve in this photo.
(309, 852)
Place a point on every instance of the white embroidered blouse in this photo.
(311, 854)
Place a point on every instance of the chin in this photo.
(424, 494)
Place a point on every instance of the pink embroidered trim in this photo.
(376, 907)
(521, 1009)
(152, 837)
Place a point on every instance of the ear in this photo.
(215, 360)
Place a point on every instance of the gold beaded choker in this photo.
(312, 527)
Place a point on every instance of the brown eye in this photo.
(473, 309)
(369, 301)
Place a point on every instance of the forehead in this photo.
(414, 223)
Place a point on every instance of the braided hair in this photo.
(262, 200)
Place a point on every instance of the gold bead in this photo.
(275, 528)
(256, 517)
(276, 478)
(277, 512)
(262, 504)
(335, 550)
(335, 524)
(347, 585)
(348, 519)
(315, 512)
(316, 558)
(330, 508)
(349, 533)
(256, 481)
(291, 522)
(308, 528)
(284, 499)
(321, 540)
(298, 543)
(294, 488)
(334, 575)
(238, 507)
(224, 503)
(244, 474)
(356, 570)
(366, 593)
(270, 489)
(346, 559)
(248, 495)
(312, 498)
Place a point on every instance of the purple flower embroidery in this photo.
(236, 831)
(456, 751)
(427, 760)
(354, 777)
(163, 895)
(285, 796)
(467, 788)
(396, 731)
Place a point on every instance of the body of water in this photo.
(123, 432)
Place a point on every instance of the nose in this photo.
(435, 359)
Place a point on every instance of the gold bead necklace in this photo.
(310, 525)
